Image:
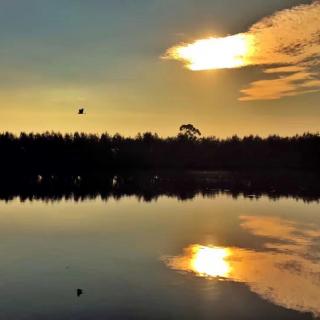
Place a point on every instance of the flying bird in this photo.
(79, 292)
(81, 111)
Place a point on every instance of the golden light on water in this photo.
(204, 261)
(210, 261)
(214, 53)
(283, 265)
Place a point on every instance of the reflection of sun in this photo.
(284, 265)
(214, 53)
(210, 261)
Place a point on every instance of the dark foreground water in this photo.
(209, 256)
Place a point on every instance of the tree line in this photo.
(77, 153)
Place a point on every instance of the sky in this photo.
(109, 57)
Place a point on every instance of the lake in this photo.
(208, 256)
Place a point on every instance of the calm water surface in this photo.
(206, 258)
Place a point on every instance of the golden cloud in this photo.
(286, 44)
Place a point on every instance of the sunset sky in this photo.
(111, 57)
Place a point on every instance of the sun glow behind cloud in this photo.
(286, 45)
(214, 53)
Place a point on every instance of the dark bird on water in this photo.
(79, 292)
(81, 111)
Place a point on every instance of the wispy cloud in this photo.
(286, 45)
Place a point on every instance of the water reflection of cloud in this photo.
(286, 272)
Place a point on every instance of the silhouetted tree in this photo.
(78, 153)
(189, 131)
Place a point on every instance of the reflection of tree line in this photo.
(149, 185)
(78, 153)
